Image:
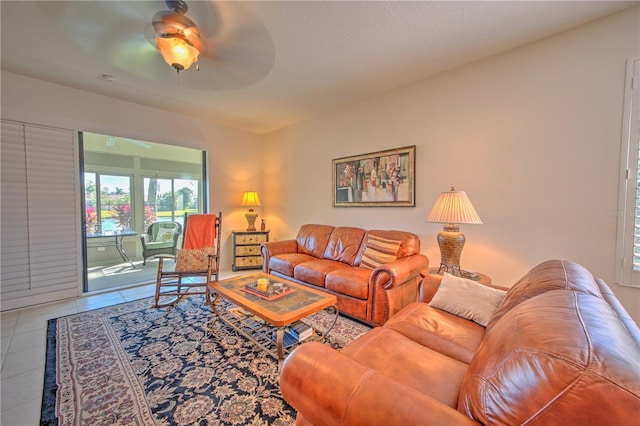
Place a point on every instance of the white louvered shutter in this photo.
(40, 254)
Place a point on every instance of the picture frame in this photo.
(377, 179)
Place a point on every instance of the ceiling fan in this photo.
(177, 37)
(226, 38)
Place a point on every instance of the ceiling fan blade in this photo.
(93, 25)
(239, 50)
(239, 45)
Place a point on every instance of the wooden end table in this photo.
(481, 278)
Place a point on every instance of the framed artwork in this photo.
(379, 179)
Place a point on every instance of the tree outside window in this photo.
(107, 203)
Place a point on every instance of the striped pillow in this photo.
(379, 251)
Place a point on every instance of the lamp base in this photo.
(450, 269)
(251, 220)
(450, 243)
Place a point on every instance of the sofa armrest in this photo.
(276, 247)
(428, 287)
(395, 285)
(327, 387)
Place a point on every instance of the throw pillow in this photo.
(467, 299)
(379, 251)
(193, 260)
(164, 235)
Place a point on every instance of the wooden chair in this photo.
(197, 262)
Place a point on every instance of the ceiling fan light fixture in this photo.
(177, 52)
(177, 36)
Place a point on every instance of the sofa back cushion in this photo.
(563, 357)
(409, 243)
(344, 244)
(547, 276)
(379, 251)
(313, 239)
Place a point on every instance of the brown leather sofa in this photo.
(560, 349)
(331, 259)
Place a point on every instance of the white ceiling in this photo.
(273, 63)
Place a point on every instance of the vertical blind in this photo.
(628, 212)
(39, 248)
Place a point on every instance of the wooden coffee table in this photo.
(279, 313)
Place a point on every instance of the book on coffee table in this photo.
(300, 330)
(288, 339)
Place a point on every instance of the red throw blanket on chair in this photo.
(200, 231)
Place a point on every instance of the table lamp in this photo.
(250, 199)
(451, 208)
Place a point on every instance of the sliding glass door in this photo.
(127, 186)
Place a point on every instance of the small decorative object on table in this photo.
(267, 290)
(473, 275)
(262, 284)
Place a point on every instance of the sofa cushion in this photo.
(284, 263)
(159, 244)
(547, 276)
(393, 355)
(441, 331)
(379, 251)
(409, 242)
(315, 271)
(563, 357)
(312, 239)
(344, 244)
(467, 299)
(353, 282)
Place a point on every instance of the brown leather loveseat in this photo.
(559, 349)
(373, 273)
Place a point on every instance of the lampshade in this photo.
(251, 199)
(177, 52)
(453, 207)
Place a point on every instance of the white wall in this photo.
(532, 135)
(235, 157)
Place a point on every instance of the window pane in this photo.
(186, 196)
(90, 197)
(158, 201)
(115, 203)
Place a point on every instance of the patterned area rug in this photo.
(131, 364)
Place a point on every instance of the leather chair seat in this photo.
(439, 330)
(353, 282)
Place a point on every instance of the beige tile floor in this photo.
(22, 344)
